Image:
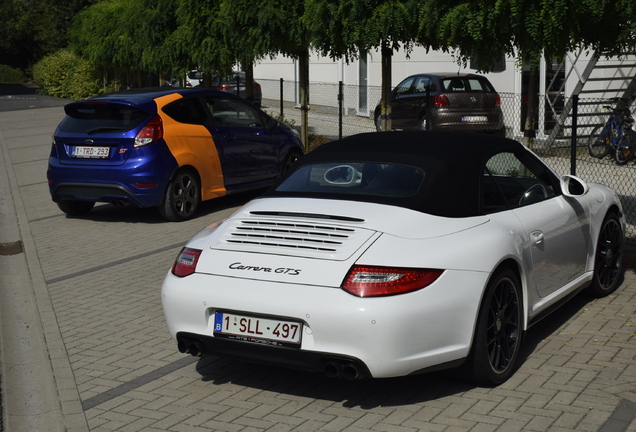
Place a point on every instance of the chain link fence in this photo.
(338, 110)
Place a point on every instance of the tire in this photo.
(182, 197)
(599, 144)
(625, 151)
(378, 123)
(75, 207)
(421, 125)
(608, 260)
(289, 161)
(499, 331)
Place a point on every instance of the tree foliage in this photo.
(196, 41)
(528, 29)
(32, 29)
(344, 28)
(167, 37)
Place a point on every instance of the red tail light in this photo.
(150, 133)
(186, 262)
(257, 85)
(224, 87)
(363, 281)
(441, 100)
(498, 99)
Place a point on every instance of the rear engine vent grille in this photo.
(290, 235)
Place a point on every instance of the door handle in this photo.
(536, 237)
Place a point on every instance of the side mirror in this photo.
(572, 186)
(271, 123)
(343, 175)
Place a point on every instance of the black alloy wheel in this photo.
(182, 198)
(608, 261)
(499, 331)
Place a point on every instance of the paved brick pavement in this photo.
(95, 282)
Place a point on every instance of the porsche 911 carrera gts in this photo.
(394, 253)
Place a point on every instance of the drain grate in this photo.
(13, 248)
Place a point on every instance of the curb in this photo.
(30, 399)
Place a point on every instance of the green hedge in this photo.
(65, 75)
(9, 75)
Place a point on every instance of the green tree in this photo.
(348, 27)
(197, 42)
(148, 28)
(96, 34)
(253, 29)
(34, 29)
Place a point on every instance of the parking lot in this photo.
(83, 294)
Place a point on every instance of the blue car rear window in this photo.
(101, 118)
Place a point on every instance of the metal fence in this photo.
(338, 110)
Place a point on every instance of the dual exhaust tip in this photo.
(331, 369)
(190, 346)
(343, 369)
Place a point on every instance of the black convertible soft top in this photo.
(453, 163)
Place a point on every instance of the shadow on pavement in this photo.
(365, 393)
(372, 393)
(17, 89)
(105, 212)
(17, 97)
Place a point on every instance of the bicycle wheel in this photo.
(625, 149)
(600, 142)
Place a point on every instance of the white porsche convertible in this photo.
(393, 253)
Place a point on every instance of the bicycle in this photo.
(615, 136)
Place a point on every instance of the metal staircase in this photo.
(598, 80)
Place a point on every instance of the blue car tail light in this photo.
(151, 132)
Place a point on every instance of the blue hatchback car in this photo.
(165, 148)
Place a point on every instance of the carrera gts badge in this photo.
(280, 270)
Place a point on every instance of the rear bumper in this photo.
(101, 192)
(383, 337)
(492, 121)
(332, 365)
(110, 184)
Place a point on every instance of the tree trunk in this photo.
(385, 103)
(303, 70)
(533, 105)
(249, 81)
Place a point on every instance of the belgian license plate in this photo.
(256, 329)
(475, 118)
(91, 152)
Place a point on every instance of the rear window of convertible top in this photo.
(357, 178)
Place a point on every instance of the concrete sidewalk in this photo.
(84, 347)
(30, 398)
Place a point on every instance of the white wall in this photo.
(325, 70)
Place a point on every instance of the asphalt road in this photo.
(84, 346)
(15, 97)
